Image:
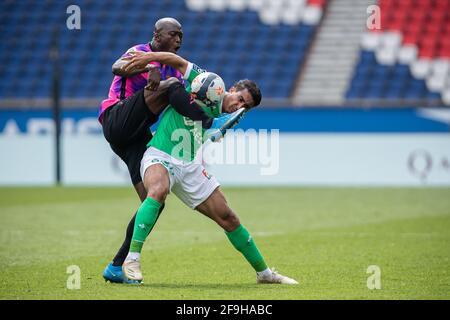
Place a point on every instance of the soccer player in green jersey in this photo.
(171, 163)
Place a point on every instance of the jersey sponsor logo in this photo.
(197, 69)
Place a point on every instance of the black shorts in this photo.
(126, 126)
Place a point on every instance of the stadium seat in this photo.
(422, 41)
(230, 36)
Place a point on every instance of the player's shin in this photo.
(125, 248)
(145, 219)
(241, 239)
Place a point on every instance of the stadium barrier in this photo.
(408, 147)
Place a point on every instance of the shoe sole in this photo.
(230, 123)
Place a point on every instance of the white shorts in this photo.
(188, 180)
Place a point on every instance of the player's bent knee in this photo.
(229, 221)
(156, 182)
(158, 192)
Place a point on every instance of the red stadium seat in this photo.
(385, 3)
(436, 16)
(421, 3)
(427, 52)
(444, 52)
(319, 3)
(425, 29)
(417, 16)
(398, 15)
(441, 3)
(396, 25)
(410, 38)
(444, 43)
(433, 28)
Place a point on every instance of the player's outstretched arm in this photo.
(118, 70)
(140, 61)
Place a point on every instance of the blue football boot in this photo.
(222, 123)
(115, 274)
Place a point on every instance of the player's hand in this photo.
(154, 78)
(138, 60)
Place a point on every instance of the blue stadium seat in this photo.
(236, 44)
(392, 82)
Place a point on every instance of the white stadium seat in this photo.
(217, 5)
(387, 55)
(292, 16)
(407, 54)
(292, 12)
(446, 95)
(439, 75)
(270, 16)
(391, 40)
(388, 47)
(436, 82)
(197, 5)
(370, 40)
(271, 12)
(256, 5)
(312, 15)
(440, 66)
(420, 68)
(237, 5)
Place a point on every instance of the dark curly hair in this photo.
(252, 87)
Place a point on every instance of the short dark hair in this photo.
(252, 87)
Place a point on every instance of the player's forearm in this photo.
(169, 59)
(118, 70)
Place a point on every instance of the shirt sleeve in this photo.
(192, 71)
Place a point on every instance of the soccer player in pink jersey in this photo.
(126, 118)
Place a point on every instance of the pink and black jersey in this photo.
(122, 88)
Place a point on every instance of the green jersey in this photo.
(180, 136)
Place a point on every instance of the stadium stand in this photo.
(408, 57)
(311, 52)
(273, 37)
(331, 57)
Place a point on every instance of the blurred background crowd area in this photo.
(386, 53)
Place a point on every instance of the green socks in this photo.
(240, 238)
(243, 242)
(145, 219)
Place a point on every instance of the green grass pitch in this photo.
(326, 238)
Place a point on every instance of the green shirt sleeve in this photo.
(192, 71)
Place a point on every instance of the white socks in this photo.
(265, 273)
(133, 256)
